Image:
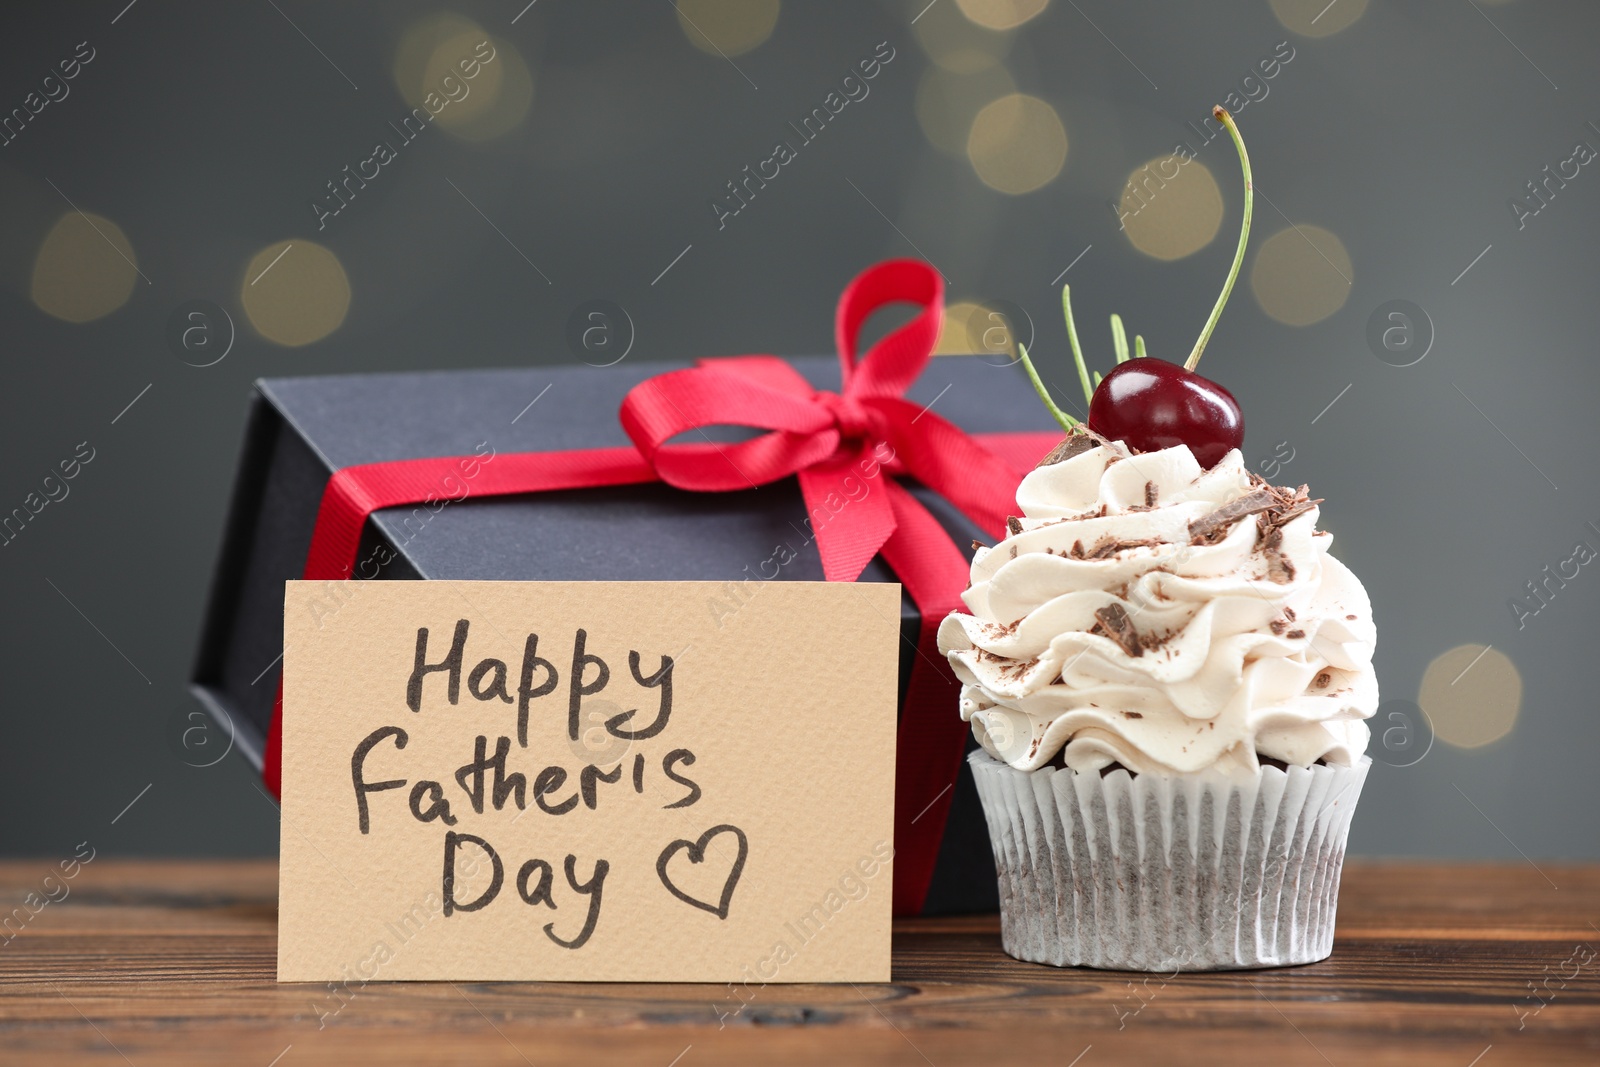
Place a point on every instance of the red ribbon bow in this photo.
(821, 438)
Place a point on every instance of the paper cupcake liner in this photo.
(1150, 873)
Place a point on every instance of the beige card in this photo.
(587, 781)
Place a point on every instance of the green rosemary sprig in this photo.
(1072, 339)
(1067, 421)
(1119, 338)
(1119, 341)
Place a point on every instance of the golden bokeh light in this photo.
(947, 103)
(1169, 208)
(1017, 144)
(85, 268)
(295, 292)
(972, 327)
(1302, 275)
(956, 43)
(727, 27)
(1001, 14)
(470, 83)
(1472, 695)
(1317, 18)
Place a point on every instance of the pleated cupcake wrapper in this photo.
(1151, 873)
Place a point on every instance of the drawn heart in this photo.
(697, 854)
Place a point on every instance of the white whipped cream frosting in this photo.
(1247, 645)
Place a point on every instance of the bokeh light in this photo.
(1170, 209)
(954, 337)
(85, 268)
(1317, 18)
(1017, 144)
(1302, 275)
(295, 292)
(474, 85)
(956, 43)
(947, 103)
(972, 327)
(727, 27)
(1001, 14)
(1472, 694)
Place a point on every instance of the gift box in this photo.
(300, 431)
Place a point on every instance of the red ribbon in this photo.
(819, 437)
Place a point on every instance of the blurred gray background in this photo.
(1393, 145)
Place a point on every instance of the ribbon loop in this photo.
(894, 362)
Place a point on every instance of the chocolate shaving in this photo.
(1109, 546)
(1132, 715)
(1212, 528)
(1279, 569)
(1013, 525)
(1114, 622)
(1017, 669)
(977, 544)
(1077, 550)
(1295, 635)
(1278, 626)
(1150, 492)
(1106, 551)
(1291, 504)
(1300, 508)
(1275, 505)
(1288, 613)
(1322, 680)
(1153, 641)
(1077, 442)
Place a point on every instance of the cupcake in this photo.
(1168, 676)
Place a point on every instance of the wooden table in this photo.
(172, 962)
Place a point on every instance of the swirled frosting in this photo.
(1145, 612)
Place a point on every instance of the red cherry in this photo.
(1149, 404)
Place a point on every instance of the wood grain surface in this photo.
(172, 962)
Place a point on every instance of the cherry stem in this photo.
(1077, 350)
(1119, 338)
(1221, 115)
(1138, 346)
(1067, 421)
